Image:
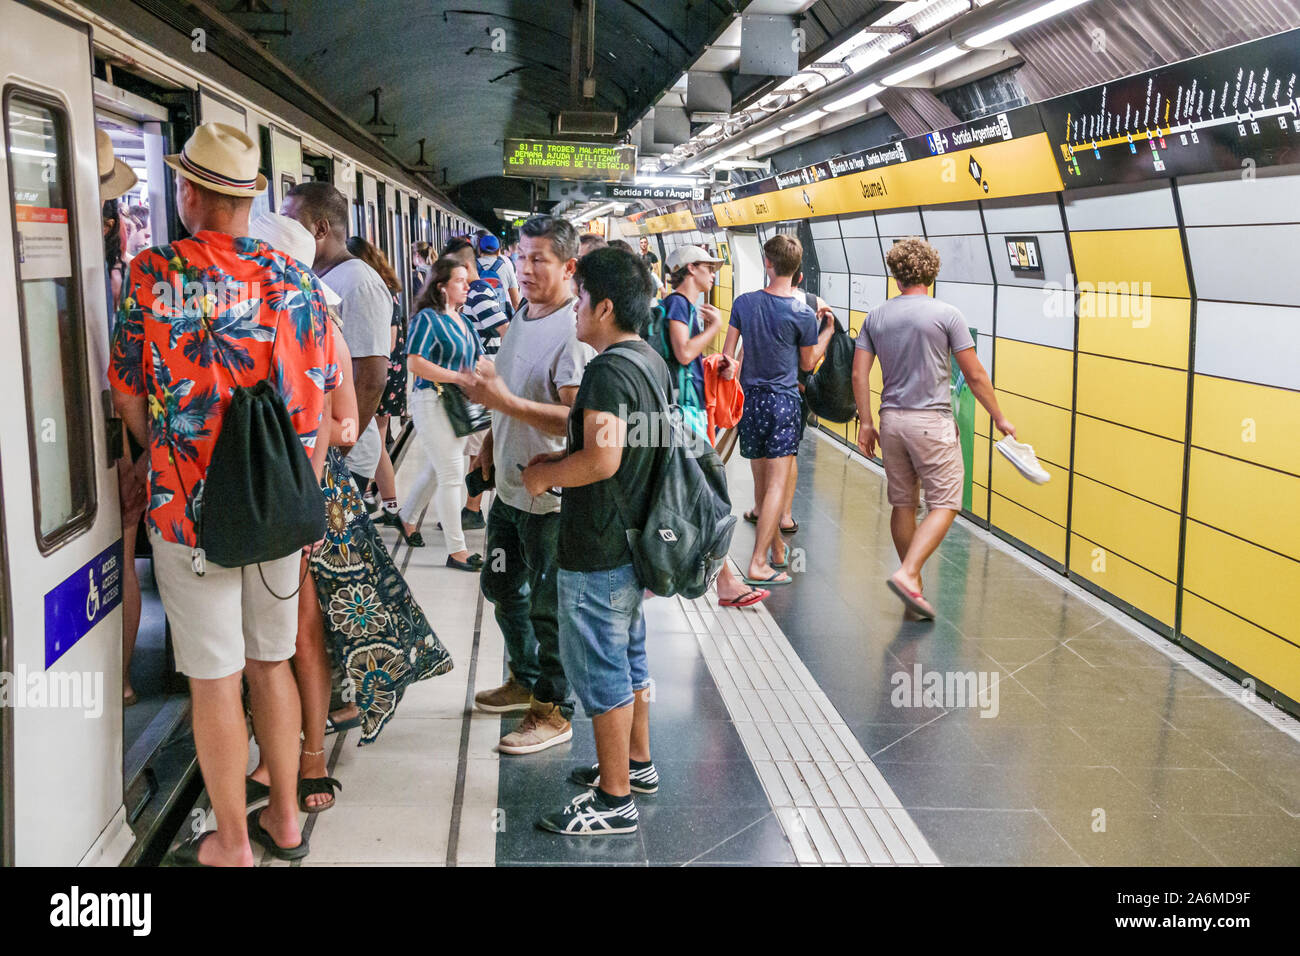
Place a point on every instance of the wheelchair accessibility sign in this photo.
(81, 601)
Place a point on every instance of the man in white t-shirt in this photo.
(492, 260)
(530, 388)
(366, 311)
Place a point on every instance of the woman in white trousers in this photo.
(442, 349)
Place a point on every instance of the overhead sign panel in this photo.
(1003, 155)
(1232, 109)
(536, 159)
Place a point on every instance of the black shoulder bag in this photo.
(466, 417)
(261, 500)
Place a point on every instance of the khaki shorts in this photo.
(228, 615)
(921, 448)
(474, 443)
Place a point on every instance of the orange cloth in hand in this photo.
(724, 399)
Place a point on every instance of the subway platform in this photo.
(1029, 724)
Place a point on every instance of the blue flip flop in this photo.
(763, 582)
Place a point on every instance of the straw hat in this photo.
(115, 176)
(220, 158)
(291, 237)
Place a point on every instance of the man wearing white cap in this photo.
(366, 311)
(173, 369)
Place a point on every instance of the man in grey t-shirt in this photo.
(913, 335)
(530, 388)
(366, 311)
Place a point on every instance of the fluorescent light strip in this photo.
(844, 102)
(772, 133)
(804, 120)
(924, 65)
(1028, 19)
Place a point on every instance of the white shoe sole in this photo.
(502, 708)
(555, 741)
(593, 833)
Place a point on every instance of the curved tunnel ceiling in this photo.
(443, 80)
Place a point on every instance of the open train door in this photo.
(62, 653)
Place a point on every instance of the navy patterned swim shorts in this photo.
(770, 426)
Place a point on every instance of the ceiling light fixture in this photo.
(802, 121)
(772, 133)
(924, 65)
(844, 102)
(1028, 19)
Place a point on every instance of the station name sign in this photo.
(695, 193)
(583, 161)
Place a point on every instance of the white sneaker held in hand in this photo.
(1023, 457)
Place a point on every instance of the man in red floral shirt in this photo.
(198, 317)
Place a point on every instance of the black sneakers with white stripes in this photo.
(643, 779)
(588, 815)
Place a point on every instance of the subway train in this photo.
(90, 783)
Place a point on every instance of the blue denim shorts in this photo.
(771, 425)
(602, 637)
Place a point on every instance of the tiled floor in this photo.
(1106, 748)
(782, 737)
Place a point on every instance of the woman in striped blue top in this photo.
(442, 349)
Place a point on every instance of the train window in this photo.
(50, 313)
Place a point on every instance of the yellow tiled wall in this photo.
(1131, 413)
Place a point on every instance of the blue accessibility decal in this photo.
(81, 601)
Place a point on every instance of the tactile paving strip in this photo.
(831, 801)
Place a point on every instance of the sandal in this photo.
(130, 700)
(310, 786)
(793, 529)
(751, 516)
(748, 599)
(335, 727)
(784, 564)
(259, 835)
(774, 579)
(187, 854)
(912, 600)
(255, 790)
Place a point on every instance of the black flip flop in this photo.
(793, 529)
(258, 834)
(310, 786)
(751, 517)
(187, 854)
(255, 790)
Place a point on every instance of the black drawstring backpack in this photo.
(261, 499)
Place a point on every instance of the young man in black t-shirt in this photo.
(606, 473)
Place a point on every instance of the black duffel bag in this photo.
(830, 392)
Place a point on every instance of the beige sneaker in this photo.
(544, 726)
(509, 697)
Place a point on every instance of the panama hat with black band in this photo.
(221, 158)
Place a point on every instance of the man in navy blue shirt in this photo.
(781, 337)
